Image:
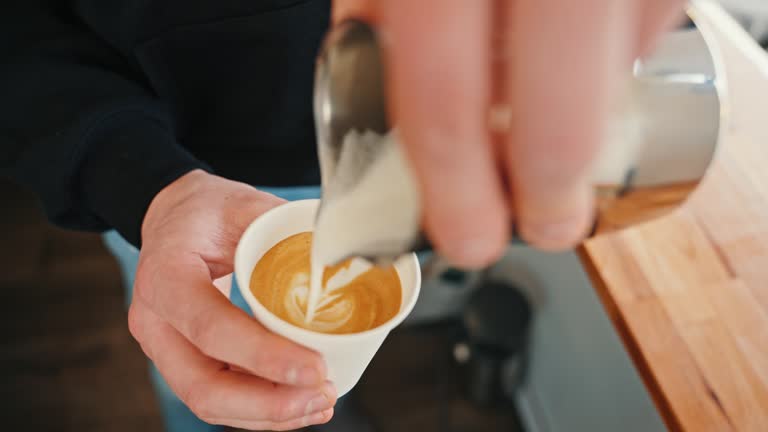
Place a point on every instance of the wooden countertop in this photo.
(689, 293)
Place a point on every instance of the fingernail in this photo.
(318, 418)
(560, 221)
(555, 236)
(476, 253)
(305, 376)
(319, 403)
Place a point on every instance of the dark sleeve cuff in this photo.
(131, 157)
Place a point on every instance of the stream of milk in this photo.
(370, 201)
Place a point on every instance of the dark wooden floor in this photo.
(68, 363)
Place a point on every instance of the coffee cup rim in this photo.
(242, 276)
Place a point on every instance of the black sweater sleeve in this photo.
(78, 125)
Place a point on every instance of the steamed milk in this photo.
(313, 280)
(370, 201)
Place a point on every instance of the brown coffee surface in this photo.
(280, 282)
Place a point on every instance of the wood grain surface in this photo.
(689, 293)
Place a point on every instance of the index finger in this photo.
(179, 290)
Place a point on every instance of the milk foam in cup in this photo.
(346, 355)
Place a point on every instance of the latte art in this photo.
(355, 296)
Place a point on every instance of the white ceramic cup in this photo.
(346, 355)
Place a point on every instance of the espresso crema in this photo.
(355, 296)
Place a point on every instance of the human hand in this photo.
(222, 363)
(549, 68)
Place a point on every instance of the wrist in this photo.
(172, 195)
